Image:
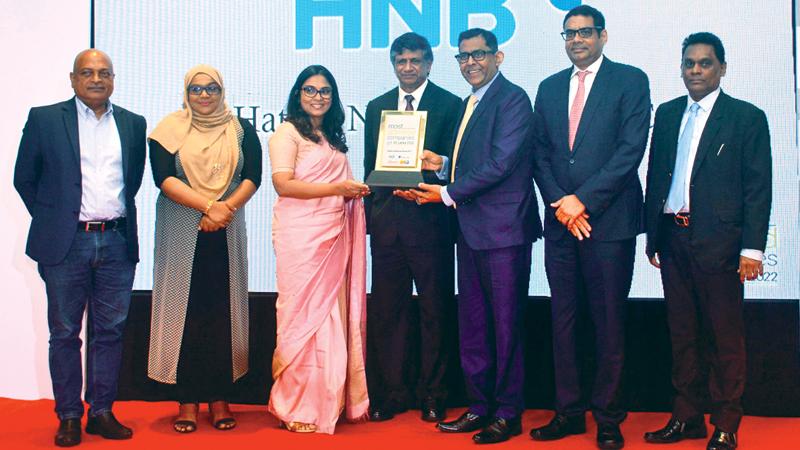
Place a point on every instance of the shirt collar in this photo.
(482, 90)
(593, 67)
(85, 111)
(705, 103)
(417, 93)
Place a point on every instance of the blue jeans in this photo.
(97, 273)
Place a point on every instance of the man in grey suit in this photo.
(79, 166)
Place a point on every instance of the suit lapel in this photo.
(426, 102)
(71, 125)
(481, 106)
(595, 98)
(562, 109)
(124, 138)
(709, 132)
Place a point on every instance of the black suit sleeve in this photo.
(542, 166)
(650, 200)
(137, 160)
(28, 167)
(756, 182)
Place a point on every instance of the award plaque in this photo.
(400, 143)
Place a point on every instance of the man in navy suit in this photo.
(79, 166)
(592, 121)
(411, 245)
(709, 192)
(492, 190)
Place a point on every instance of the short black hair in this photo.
(412, 42)
(488, 36)
(704, 37)
(588, 11)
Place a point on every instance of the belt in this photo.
(101, 225)
(681, 219)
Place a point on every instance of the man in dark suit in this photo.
(592, 121)
(410, 243)
(709, 192)
(492, 190)
(79, 167)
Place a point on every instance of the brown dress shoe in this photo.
(107, 426)
(69, 433)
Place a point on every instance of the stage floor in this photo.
(31, 424)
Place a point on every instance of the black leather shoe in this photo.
(385, 412)
(561, 426)
(722, 440)
(69, 433)
(432, 410)
(675, 431)
(107, 426)
(498, 430)
(609, 437)
(466, 423)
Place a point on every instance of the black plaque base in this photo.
(384, 178)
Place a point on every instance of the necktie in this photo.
(467, 114)
(409, 98)
(676, 200)
(577, 107)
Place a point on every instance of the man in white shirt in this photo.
(79, 166)
(709, 193)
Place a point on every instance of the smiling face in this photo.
(584, 51)
(701, 70)
(315, 106)
(92, 78)
(204, 104)
(411, 69)
(478, 73)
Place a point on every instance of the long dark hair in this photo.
(332, 121)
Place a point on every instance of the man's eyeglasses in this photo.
(211, 90)
(103, 74)
(311, 91)
(477, 55)
(584, 33)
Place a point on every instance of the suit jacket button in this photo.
(572, 161)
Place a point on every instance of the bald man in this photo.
(79, 166)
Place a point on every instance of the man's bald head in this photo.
(92, 79)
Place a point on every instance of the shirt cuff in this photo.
(758, 255)
(444, 172)
(446, 197)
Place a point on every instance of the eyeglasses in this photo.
(211, 89)
(585, 33)
(89, 73)
(703, 63)
(311, 91)
(477, 55)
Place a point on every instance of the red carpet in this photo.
(31, 424)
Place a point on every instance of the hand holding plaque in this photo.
(401, 141)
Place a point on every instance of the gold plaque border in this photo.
(423, 121)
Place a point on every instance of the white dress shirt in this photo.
(102, 183)
(588, 81)
(706, 104)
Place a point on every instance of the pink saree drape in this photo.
(318, 365)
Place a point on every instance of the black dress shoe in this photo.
(609, 437)
(722, 440)
(385, 412)
(107, 426)
(561, 426)
(466, 423)
(69, 433)
(432, 410)
(498, 430)
(675, 431)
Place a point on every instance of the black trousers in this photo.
(396, 366)
(704, 311)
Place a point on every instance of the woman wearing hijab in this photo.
(319, 236)
(207, 164)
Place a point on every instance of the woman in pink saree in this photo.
(319, 236)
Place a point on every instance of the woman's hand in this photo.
(208, 226)
(221, 213)
(352, 189)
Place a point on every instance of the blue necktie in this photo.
(675, 200)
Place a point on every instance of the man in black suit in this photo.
(79, 167)
(709, 193)
(410, 243)
(592, 121)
